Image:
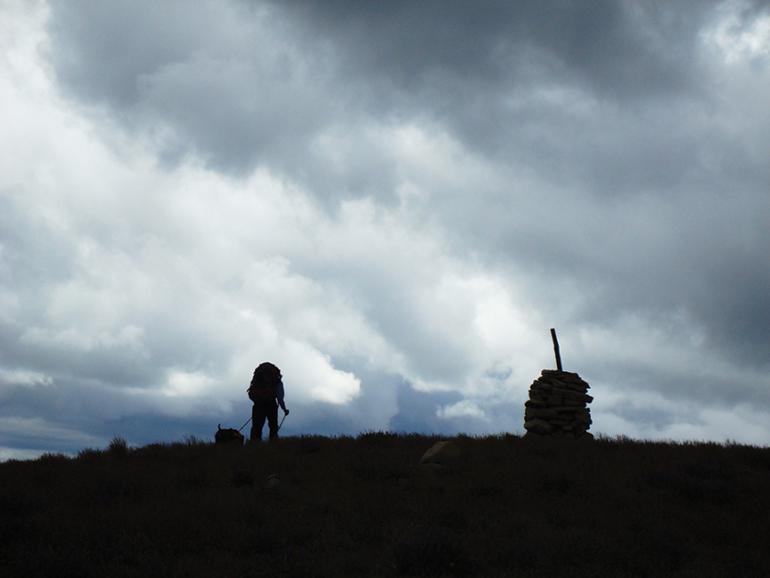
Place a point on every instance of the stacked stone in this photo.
(557, 405)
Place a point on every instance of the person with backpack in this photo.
(265, 390)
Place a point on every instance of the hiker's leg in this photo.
(255, 431)
(257, 421)
(272, 420)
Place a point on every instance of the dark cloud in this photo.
(616, 49)
(245, 85)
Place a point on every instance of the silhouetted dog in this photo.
(228, 436)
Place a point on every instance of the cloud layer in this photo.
(393, 204)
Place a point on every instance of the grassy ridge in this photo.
(363, 507)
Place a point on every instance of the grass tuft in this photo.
(118, 447)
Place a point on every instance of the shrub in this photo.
(192, 440)
(375, 438)
(118, 447)
(53, 457)
(89, 454)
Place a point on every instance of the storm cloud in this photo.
(392, 202)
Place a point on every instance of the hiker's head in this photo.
(267, 373)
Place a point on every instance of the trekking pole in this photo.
(282, 420)
(244, 425)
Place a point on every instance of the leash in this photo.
(279, 425)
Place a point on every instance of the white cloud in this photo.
(314, 378)
(23, 377)
(72, 338)
(738, 38)
(40, 430)
(462, 409)
(19, 454)
(186, 384)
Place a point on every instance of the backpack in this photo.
(263, 384)
(261, 392)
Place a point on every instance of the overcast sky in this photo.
(393, 202)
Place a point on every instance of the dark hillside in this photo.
(364, 507)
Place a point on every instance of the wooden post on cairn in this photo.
(556, 349)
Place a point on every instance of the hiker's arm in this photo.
(279, 396)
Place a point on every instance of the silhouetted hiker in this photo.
(265, 389)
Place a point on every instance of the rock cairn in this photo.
(558, 405)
